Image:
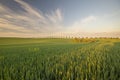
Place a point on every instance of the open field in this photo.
(59, 59)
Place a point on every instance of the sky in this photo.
(43, 18)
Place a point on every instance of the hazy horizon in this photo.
(59, 18)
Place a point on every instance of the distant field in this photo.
(59, 59)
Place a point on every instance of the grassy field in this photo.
(59, 59)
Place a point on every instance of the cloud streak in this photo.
(30, 21)
(82, 25)
(88, 19)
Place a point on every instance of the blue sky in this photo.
(38, 18)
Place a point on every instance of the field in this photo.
(59, 59)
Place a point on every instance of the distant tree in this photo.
(76, 39)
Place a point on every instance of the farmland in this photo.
(59, 59)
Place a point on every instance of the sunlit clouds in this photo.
(33, 22)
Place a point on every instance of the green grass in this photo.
(59, 59)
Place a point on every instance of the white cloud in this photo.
(55, 17)
(59, 15)
(88, 19)
(6, 25)
(31, 20)
(32, 11)
(82, 25)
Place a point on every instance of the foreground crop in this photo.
(98, 60)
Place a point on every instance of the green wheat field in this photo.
(59, 59)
